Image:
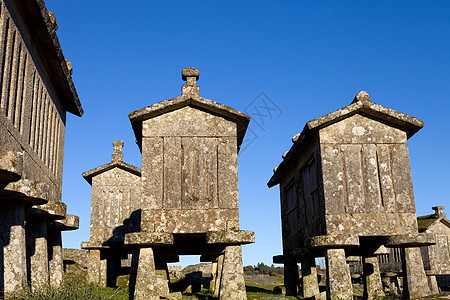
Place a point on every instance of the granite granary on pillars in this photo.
(115, 210)
(436, 258)
(346, 189)
(189, 148)
(36, 93)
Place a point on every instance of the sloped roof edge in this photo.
(36, 15)
(157, 109)
(402, 121)
(116, 164)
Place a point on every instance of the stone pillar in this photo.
(291, 276)
(133, 272)
(56, 264)
(112, 269)
(432, 283)
(103, 271)
(37, 252)
(339, 281)
(373, 287)
(232, 286)
(94, 266)
(219, 276)
(309, 277)
(212, 283)
(415, 283)
(146, 280)
(390, 281)
(13, 266)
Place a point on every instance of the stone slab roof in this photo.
(360, 105)
(425, 222)
(115, 164)
(136, 117)
(42, 25)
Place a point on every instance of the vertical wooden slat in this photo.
(34, 106)
(21, 91)
(41, 121)
(13, 80)
(48, 119)
(6, 67)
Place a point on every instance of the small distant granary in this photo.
(436, 258)
(37, 92)
(346, 189)
(115, 210)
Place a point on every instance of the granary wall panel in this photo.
(29, 109)
(114, 200)
(301, 191)
(365, 170)
(227, 173)
(188, 121)
(190, 220)
(152, 172)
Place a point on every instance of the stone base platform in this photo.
(153, 250)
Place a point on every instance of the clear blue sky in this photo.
(309, 57)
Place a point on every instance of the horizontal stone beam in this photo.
(70, 222)
(334, 241)
(410, 240)
(149, 239)
(15, 198)
(51, 210)
(90, 245)
(278, 259)
(237, 237)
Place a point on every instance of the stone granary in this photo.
(36, 93)
(115, 210)
(189, 148)
(436, 258)
(346, 190)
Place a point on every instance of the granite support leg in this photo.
(339, 281)
(56, 264)
(212, 283)
(415, 283)
(94, 266)
(146, 280)
(218, 276)
(13, 265)
(373, 287)
(112, 270)
(133, 272)
(103, 271)
(232, 286)
(309, 278)
(432, 283)
(291, 277)
(37, 253)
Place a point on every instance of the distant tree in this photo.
(263, 269)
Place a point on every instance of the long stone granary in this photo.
(36, 93)
(346, 189)
(189, 148)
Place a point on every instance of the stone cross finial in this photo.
(362, 96)
(438, 211)
(117, 154)
(190, 75)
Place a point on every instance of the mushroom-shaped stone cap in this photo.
(362, 96)
(190, 72)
